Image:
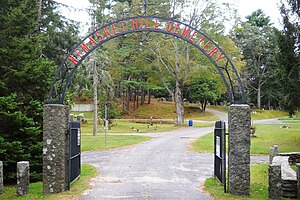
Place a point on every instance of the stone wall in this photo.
(289, 181)
(55, 148)
(294, 157)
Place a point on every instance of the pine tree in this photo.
(289, 56)
(25, 77)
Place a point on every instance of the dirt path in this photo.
(161, 168)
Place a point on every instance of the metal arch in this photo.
(65, 72)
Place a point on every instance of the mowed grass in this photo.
(36, 189)
(219, 108)
(127, 126)
(288, 140)
(92, 143)
(205, 144)
(166, 110)
(258, 185)
(266, 114)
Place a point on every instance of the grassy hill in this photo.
(166, 110)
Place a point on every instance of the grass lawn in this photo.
(258, 185)
(127, 126)
(136, 126)
(36, 189)
(219, 108)
(204, 144)
(166, 110)
(266, 114)
(90, 143)
(288, 140)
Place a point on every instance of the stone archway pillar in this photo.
(239, 122)
(55, 148)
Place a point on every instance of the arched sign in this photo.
(167, 26)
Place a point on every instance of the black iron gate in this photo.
(220, 152)
(74, 151)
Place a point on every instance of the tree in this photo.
(25, 80)
(203, 90)
(25, 77)
(289, 56)
(178, 60)
(257, 41)
(258, 18)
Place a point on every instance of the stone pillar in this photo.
(22, 178)
(55, 148)
(275, 190)
(298, 180)
(1, 177)
(273, 153)
(239, 121)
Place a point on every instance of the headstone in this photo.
(275, 190)
(239, 120)
(298, 180)
(78, 118)
(1, 177)
(273, 153)
(71, 117)
(22, 178)
(55, 148)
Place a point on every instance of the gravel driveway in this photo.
(161, 168)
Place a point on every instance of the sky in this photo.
(245, 7)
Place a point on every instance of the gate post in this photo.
(55, 148)
(239, 122)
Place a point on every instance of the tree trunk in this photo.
(137, 98)
(142, 96)
(204, 107)
(178, 88)
(95, 81)
(149, 96)
(127, 100)
(39, 17)
(123, 100)
(179, 103)
(259, 97)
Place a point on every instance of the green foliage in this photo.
(25, 78)
(289, 56)
(20, 138)
(203, 90)
(259, 19)
(257, 40)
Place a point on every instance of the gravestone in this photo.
(22, 178)
(239, 122)
(273, 153)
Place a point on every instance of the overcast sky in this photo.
(245, 7)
